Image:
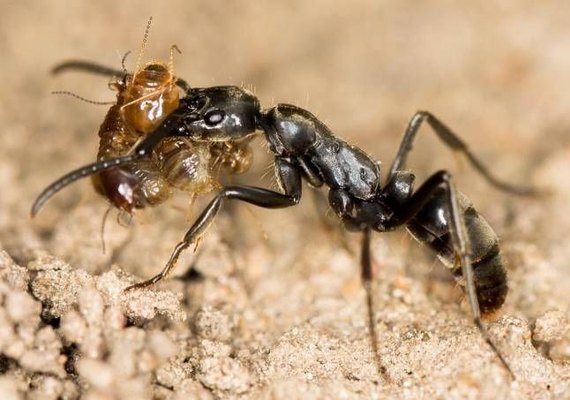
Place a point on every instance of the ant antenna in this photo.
(68, 93)
(143, 149)
(143, 46)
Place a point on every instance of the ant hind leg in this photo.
(454, 142)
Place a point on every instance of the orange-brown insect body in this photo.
(149, 97)
(144, 99)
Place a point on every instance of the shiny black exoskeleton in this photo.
(305, 149)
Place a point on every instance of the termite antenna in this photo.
(103, 224)
(181, 83)
(68, 93)
(171, 59)
(143, 46)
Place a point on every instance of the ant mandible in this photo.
(436, 214)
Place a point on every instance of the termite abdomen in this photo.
(185, 165)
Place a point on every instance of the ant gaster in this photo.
(436, 214)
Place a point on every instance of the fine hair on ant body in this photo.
(305, 149)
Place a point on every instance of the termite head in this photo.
(149, 96)
(150, 93)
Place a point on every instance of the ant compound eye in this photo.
(214, 117)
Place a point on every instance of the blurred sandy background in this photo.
(268, 315)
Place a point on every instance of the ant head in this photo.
(218, 114)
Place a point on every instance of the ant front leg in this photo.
(453, 141)
(290, 181)
(343, 205)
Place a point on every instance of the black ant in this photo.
(436, 214)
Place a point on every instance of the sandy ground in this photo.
(270, 306)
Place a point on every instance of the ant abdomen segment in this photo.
(431, 226)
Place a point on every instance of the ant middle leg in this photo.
(343, 205)
(453, 141)
(367, 276)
